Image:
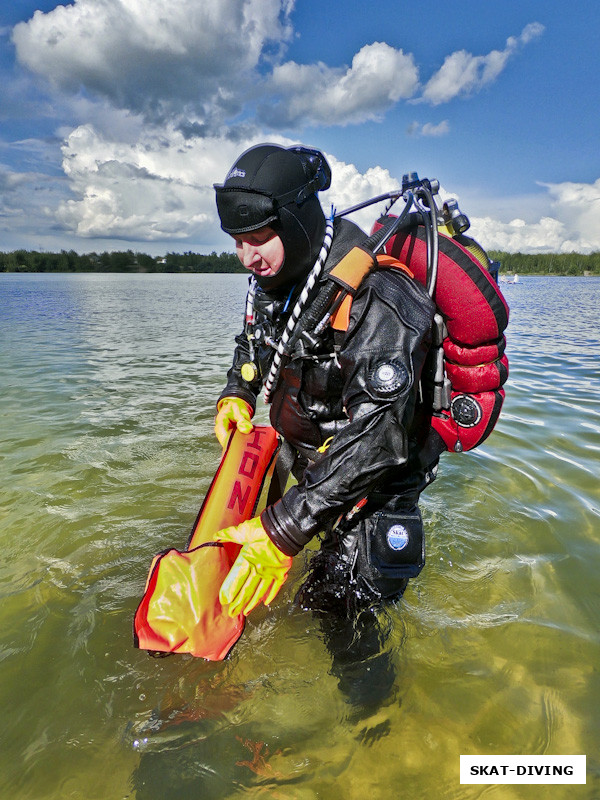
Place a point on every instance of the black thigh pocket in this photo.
(396, 543)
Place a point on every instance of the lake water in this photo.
(108, 384)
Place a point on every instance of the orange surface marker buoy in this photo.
(180, 611)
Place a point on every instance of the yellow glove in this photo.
(258, 572)
(232, 412)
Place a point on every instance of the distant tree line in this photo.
(547, 263)
(126, 261)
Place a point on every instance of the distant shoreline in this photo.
(22, 261)
(509, 282)
(118, 261)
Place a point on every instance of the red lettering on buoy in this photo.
(255, 442)
(248, 465)
(239, 496)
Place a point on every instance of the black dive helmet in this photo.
(277, 186)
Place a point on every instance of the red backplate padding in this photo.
(480, 378)
(473, 356)
(470, 301)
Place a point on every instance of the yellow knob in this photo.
(249, 372)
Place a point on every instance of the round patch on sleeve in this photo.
(388, 378)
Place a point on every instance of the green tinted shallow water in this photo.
(108, 385)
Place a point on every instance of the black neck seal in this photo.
(274, 186)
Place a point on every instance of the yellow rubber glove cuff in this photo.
(232, 412)
(259, 571)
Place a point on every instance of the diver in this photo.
(368, 380)
(346, 402)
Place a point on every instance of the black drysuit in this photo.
(360, 387)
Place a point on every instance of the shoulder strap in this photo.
(350, 276)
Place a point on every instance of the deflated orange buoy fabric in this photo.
(180, 611)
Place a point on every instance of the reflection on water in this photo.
(108, 385)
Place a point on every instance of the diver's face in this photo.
(260, 251)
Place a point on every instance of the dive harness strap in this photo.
(349, 275)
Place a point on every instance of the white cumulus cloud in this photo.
(462, 73)
(155, 188)
(349, 187)
(546, 235)
(378, 77)
(572, 224)
(152, 189)
(155, 57)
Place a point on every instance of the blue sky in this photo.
(118, 115)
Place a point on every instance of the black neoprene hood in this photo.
(274, 186)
